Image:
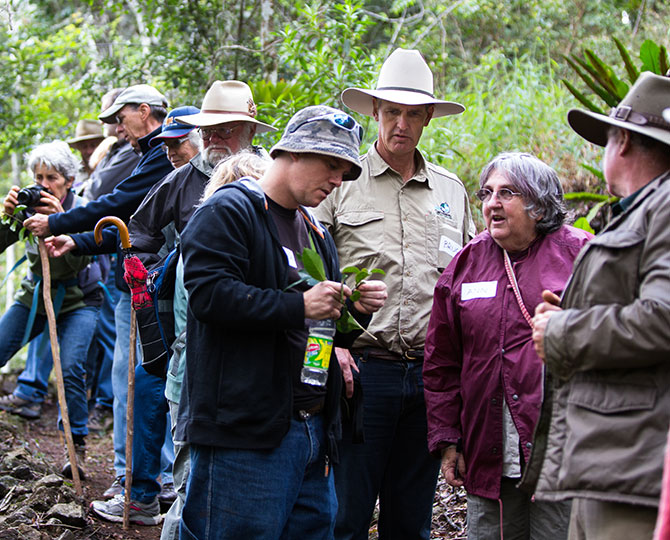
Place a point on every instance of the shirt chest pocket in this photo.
(443, 240)
(360, 235)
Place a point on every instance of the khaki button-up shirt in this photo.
(410, 229)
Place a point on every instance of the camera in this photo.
(30, 196)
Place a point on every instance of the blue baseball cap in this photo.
(172, 129)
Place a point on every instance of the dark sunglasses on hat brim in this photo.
(340, 120)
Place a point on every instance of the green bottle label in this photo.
(317, 353)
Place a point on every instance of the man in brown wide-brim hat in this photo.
(408, 217)
(605, 418)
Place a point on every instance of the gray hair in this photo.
(537, 182)
(195, 139)
(238, 165)
(55, 155)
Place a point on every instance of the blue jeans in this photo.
(75, 330)
(120, 385)
(101, 352)
(262, 494)
(393, 462)
(181, 470)
(33, 382)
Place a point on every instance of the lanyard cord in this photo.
(515, 287)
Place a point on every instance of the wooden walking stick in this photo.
(55, 353)
(130, 410)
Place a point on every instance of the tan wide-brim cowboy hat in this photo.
(404, 78)
(226, 101)
(642, 110)
(87, 130)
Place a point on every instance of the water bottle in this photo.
(317, 353)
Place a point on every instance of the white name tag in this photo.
(481, 289)
(449, 246)
(290, 257)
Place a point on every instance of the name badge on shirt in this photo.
(449, 246)
(290, 257)
(481, 289)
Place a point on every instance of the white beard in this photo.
(214, 157)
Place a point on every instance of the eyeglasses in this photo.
(173, 143)
(222, 132)
(503, 194)
(341, 120)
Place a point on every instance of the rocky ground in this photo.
(36, 503)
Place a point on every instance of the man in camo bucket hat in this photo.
(323, 130)
(265, 427)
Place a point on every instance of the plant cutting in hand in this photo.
(16, 224)
(313, 271)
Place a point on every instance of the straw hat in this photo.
(226, 101)
(86, 130)
(643, 110)
(404, 78)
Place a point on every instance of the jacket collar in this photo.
(144, 141)
(378, 166)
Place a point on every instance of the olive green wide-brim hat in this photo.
(642, 110)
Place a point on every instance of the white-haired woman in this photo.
(482, 376)
(76, 303)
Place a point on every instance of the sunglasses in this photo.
(504, 194)
(340, 120)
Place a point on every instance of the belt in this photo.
(305, 414)
(408, 355)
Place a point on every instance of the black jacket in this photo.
(121, 202)
(237, 390)
(169, 205)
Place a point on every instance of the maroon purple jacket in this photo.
(479, 350)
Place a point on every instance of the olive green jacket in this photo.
(605, 416)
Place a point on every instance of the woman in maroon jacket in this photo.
(483, 379)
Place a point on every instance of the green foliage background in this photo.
(503, 59)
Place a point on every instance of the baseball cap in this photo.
(137, 94)
(172, 128)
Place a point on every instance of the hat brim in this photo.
(315, 146)
(171, 134)
(85, 138)
(360, 100)
(108, 116)
(204, 119)
(593, 127)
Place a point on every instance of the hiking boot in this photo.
(139, 514)
(115, 489)
(101, 419)
(167, 495)
(80, 454)
(30, 410)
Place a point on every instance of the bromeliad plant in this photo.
(313, 271)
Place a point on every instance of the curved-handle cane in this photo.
(125, 244)
(55, 353)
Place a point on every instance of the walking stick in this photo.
(125, 244)
(55, 353)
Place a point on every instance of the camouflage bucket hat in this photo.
(323, 130)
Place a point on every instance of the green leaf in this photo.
(350, 270)
(355, 296)
(583, 224)
(649, 54)
(312, 263)
(311, 281)
(596, 172)
(594, 211)
(361, 275)
(346, 323)
(631, 69)
(582, 98)
(663, 61)
(378, 271)
(585, 196)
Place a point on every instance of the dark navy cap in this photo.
(172, 129)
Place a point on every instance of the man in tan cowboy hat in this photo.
(408, 217)
(227, 121)
(87, 136)
(603, 426)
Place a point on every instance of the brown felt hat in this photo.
(87, 130)
(643, 110)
